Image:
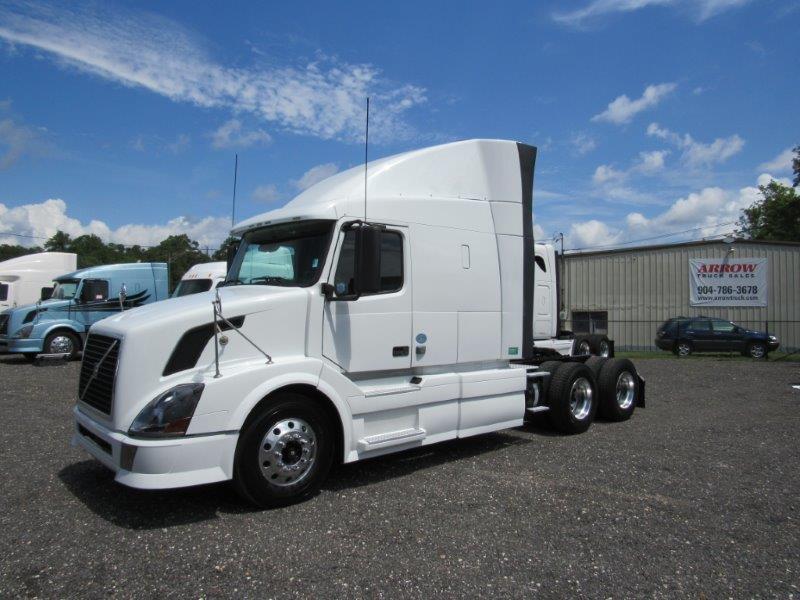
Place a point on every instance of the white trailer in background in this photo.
(344, 332)
(547, 302)
(22, 278)
(201, 278)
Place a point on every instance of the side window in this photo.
(94, 290)
(700, 325)
(391, 263)
(724, 326)
(540, 263)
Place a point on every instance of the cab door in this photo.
(373, 332)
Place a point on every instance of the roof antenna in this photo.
(235, 174)
(366, 159)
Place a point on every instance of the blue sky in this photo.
(652, 116)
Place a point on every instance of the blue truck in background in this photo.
(58, 324)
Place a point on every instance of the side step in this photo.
(537, 409)
(393, 438)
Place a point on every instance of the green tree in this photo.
(180, 253)
(60, 242)
(92, 251)
(13, 250)
(222, 253)
(796, 165)
(775, 217)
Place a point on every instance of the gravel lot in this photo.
(696, 496)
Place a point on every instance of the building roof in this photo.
(737, 241)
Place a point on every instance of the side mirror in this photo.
(368, 259)
(86, 293)
(47, 293)
(232, 250)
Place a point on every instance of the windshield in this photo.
(4, 291)
(290, 254)
(65, 290)
(192, 286)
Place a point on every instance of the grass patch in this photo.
(728, 356)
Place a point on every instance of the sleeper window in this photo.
(391, 263)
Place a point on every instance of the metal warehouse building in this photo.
(628, 293)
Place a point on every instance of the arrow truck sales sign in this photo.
(728, 281)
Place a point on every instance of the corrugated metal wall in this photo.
(641, 288)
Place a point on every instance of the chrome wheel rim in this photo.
(757, 351)
(604, 349)
(580, 398)
(61, 344)
(287, 452)
(626, 390)
(683, 350)
(583, 348)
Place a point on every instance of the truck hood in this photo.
(16, 316)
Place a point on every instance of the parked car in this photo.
(685, 335)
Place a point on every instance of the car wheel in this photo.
(619, 389)
(62, 342)
(284, 453)
(572, 398)
(683, 348)
(757, 350)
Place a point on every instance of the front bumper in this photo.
(157, 464)
(664, 343)
(20, 345)
(773, 345)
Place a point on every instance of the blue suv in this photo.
(685, 335)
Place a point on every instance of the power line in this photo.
(654, 237)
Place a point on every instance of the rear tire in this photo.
(584, 346)
(619, 389)
(595, 363)
(602, 346)
(683, 348)
(572, 398)
(284, 452)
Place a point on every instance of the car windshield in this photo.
(65, 290)
(289, 255)
(192, 286)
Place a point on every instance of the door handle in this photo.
(400, 351)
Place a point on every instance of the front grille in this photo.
(96, 387)
(4, 324)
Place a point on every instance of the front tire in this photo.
(284, 453)
(62, 342)
(572, 398)
(757, 350)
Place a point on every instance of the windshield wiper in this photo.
(268, 280)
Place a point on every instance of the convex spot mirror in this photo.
(231, 254)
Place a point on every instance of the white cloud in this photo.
(43, 219)
(780, 164)
(583, 143)
(322, 98)
(700, 10)
(315, 175)
(605, 173)
(622, 109)
(697, 154)
(231, 135)
(651, 162)
(156, 144)
(266, 193)
(712, 211)
(17, 141)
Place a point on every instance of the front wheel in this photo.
(757, 350)
(572, 398)
(62, 342)
(284, 452)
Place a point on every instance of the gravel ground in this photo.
(696, 496)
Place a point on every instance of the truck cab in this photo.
(59, 322)
(201, 278)
(347, 327)
(22, 278)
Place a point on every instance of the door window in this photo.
(94, 290)
(724, 326)
(391, 263)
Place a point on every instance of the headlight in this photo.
(169, 414)
(772, 338)
(24, 331)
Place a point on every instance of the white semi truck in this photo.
(345, 330)
(201, 278)
(547, 332)
(22, 279)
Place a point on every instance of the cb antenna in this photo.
(366, 159)
(235, 174)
